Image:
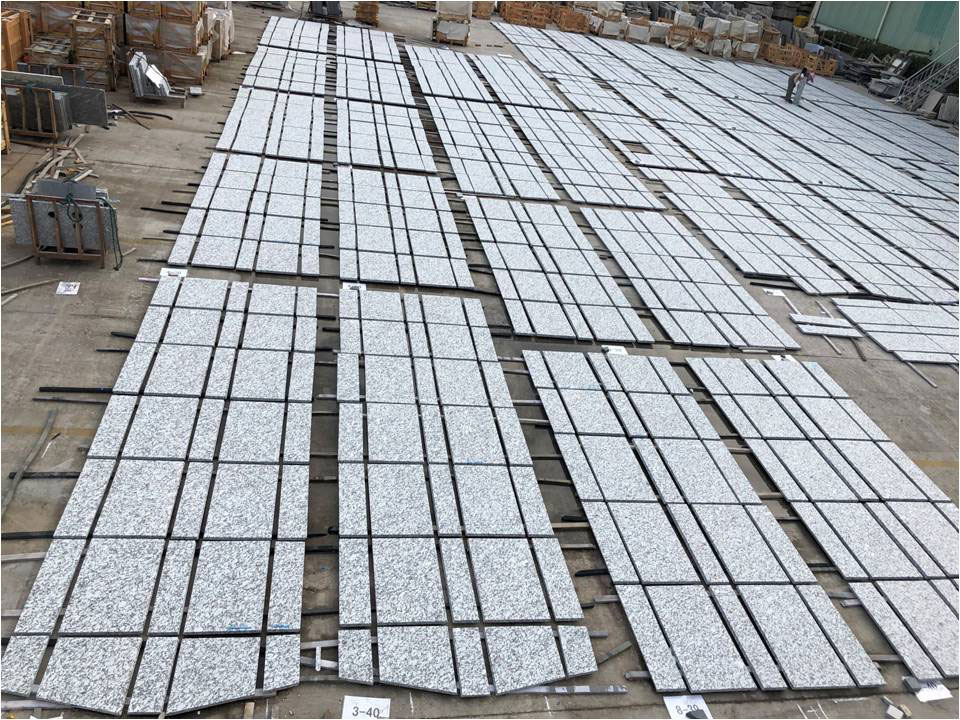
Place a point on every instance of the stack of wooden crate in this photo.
(568, 19)
(49, 50)
(94, 43)
(17, 36)
(367, 12)
(482, 10)
(173, 36)
(525, 13)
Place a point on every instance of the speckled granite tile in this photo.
(134, 371)
(231, 330)
(221, 372)
(695, 472)
(556, 579)
(260, 375)
(571, 370)
(407, 584)
(863, 669)
(213, 671)
(113, 426)
(473, 436)
(590, 412)
(929, 618)
(507, 581)
(783, 548)
(40, 611)
(268, 332)
(578, 657)
(697, 544)
(153, 677)
(876, 551)
(193, 500)
(228, 587)
(460, 382)
(202, 293)
(487, 500)
(306, 301)
(471, 665)
(657, 656)
(652, 543)
(352, 502)
(296, 441)
(348, 377)
(252, 432)
(21, 661)
(161, 428)
(192, 326)
(166, 290)
(301, 377)
(207, 431)
(522, 656)
(398, 500)
(456, 570)
(152, 326)
(703, 648)
(241, 506)
(350, 432)
(610, 543)
(451, 341)
(388, 379)
(305, 339)
(393, 433)
(532, 508)
(92, 673)
(77, 518)
(281, 667)
(747, 637)
(355, 656)
(416, 657)
(113, 589)
(513, 438)
(616, 468)
(271, 299)
(739, 545)
(286, 587)
(794, 637)
(933, 531)
(237, 299)
(172, 590)
(294, 501)
(354, 583)
(141, 499)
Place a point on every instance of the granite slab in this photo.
(212, 671)
(281, 665)
(616, 468)
(228, 587)
(445, 509)
(507, 581)
(252, 432)
(780, 544)
(21, 662)
(153, 676)
(399, 504)
(873, 547)
(352, 500)
(739, 545)
(522, 656)
(135, 368)
(113, 426)
(81, 509)
(92, 673)
(929, 618)
(296, 441)
(171, 595)
(355, 656)
(193, 500)
(695, 472)
(656, 653)
(286, 587)
(748, 639)
(141, 499)
(207, 430)
(556, 579)
(697, 544)
(473, 437)
(470, 663)
(260, 375)
(393, 433)
(350, 433)
(459, 582)
(417, 657)
(532, 508)
(354, 583)
(112, 591)
(487, 501)
(407, 584)
(388, 379)
(161, 428)
(179, 370)
(269, 332)
(294, 500)
(577, 649)
(605, 532)
(657, 553)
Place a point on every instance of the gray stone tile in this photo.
(610, 543)
(932, 530)
(556, 579)
(747, 637)
(202, 293)
(393, 433)
(780, 544)
(471, 666)
(794, 637)
(456, 570)
(696, 473)
(416, 657)
(578, 657)
(161, 428)
(460, 382)
(653, 545)
(451, 341)
(77, 518)
(407, 583)
(487, 501)
(268, 332)
(507, 580)
(354, 561)
(152, 325)
(657, 656)
(153, 677)
(388, 379)
(352, 500)
(281, 666)
(231, 329)
(296, 441)
(294, 498)
(301, 377)
(841, 557)
(191, 326)
(141, 499)
(21, 661)
(928, 616)
(875, 550)
(221, 372)
(171, 595)
(350, 433)
(445, 508)
(861, 667)
(269, 299)
(207, 431)
(166, 290)
(532, 507)
(113, 589)
(355, 656)
(513, 438)
(260, 375)
(239, 293)
(706, 654)
(578, 468)
(113, 426)
(522, 656)
(739, 545)
(473, 436)
(134, 371)
(286, 587)
(591, 413)
(697, 544)
(193, 500)
(212, 671)
(92, 673)
(228, 587)
(241, 507)
(305, 339)
(616, 468)
(398, 500)
(348, 377)
(252, 432)
(662, 414)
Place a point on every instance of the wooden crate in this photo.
(49, 50)
(483, 10)
(826, 66)
(146, 9)
(55, 17)
(94, 47)
(115, 8)
(6, 127)
(183, 37)
(571, 20)
(367, 12)
(183, 11)
(17, 34)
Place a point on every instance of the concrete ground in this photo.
(56, 340)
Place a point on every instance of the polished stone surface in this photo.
(355, 656)
(407, 585)
(522, 656)
(417, 657)
(211, 671)
(92, 673)
(228, 587)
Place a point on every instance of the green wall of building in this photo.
(919, 26)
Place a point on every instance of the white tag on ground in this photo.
(355, 707)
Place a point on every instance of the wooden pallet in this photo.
(49, 50)
(17, 33)
(93, 41)
(6, 127)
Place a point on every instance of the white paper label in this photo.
(680, 705)
(365, 707)
(68, 288)
(173, 272)
(933, 690)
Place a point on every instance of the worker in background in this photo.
(806, 76)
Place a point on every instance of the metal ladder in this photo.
(933, 76)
